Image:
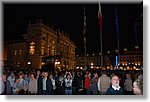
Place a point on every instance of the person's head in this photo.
(95, 75)
(68, 76)
(4, 77)
(20, 75)
(51, 76)
(89, 74)
(38, 72)
(45, 74)
(17, 80)
(128, 75)
(103, 72)
(115, 80)
(32, 75)
(25, 75)
(138, 86)
(12, 74)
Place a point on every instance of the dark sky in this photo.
(69, 18)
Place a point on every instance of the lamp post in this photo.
(29, 65)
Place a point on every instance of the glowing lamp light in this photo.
(29, 62)
(77, 67)
(43, 63)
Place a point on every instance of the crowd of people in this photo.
(79, 82)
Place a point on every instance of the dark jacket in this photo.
(8, 88)
(39, 84)
(111, 91)
(49, 86)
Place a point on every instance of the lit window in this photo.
(15, 52)
(48, 50)
(42, 50)
(32, 48)
(20, 52)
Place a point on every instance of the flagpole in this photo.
(84, 31)
(117, 31)
(101, 47)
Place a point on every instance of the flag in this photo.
(84, 32)
(84, 28)
(100, 16)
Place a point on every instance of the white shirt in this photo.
(116, 88)
(44, 83)
(11, 80)
(33, 86)
(68, 83)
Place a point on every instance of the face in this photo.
(4, 77)
(38, 72)
(32, 76)
(51, 76)
(115, 81)
(89, 74)
(95, 75)
(45, 74)
(17, 81)
(21, 75)
(128, 75)
(68, 76)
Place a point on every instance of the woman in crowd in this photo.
(68, 84)
(138, 85)
(32, 85)
(94, 87)
(16, 87)
(53, 83)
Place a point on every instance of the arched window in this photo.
(32, 48)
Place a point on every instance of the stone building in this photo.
(42, 41)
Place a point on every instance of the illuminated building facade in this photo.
(131, 60)
(42, 41)
(93, 61)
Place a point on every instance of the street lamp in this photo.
(29, 65)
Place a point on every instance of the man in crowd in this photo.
(6, 87)
(103, 83)
(128, 85)
(115, 89)
(47, 87)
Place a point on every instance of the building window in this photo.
(42, 50)
(15, 52)
(53, 50)
(32, 48)
(48, 50)
(20, 52)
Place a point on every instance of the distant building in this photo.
(40, 42)
(131, 60)
(93, 61)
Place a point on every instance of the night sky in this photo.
(69, 18)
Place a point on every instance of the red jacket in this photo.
(87, 82)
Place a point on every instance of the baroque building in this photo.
(42, 41)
